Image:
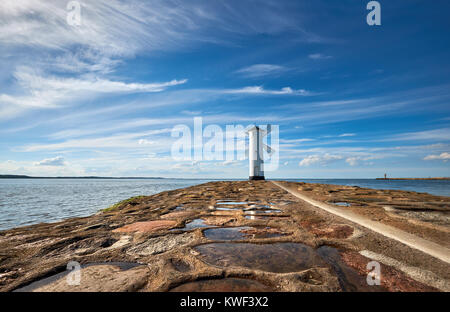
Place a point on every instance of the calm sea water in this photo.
(435, 187)
(30, 201)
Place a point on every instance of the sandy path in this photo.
(430, 248)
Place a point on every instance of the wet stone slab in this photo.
(223, 285)
(240, 233)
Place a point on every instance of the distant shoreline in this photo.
(17, 176)
(12, 176)
(439, 178)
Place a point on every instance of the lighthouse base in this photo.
(252, 178)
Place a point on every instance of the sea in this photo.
(31, 201)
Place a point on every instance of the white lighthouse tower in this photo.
(255, 152)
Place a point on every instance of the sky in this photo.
(103, 97)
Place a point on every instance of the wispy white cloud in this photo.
(319, 159)
(261, 90)
(38, 84)
(122, 141)
(301, 140)
(51, 92)
(261, 70)
(319, 56)
(442, 134)
(356, 160)
(123, 28)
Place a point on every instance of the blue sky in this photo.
(101, 98)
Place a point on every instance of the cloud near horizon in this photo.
(56, 161)
(443, 156)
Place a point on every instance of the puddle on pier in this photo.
(194, 224)
(258, 207)
(262, 216)
(260, 212)
(228, 209)
(341, 204)
(277, 257)
(231, 203)
(284, 258)
(240, 233)
(257, 217)
(223, 285)
(123, 266)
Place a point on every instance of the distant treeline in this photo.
(13, 176)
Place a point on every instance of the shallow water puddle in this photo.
(227, 208)
(231, 205)
(261, 212)
(256, 217)
(341, 204)
(256, 207)
(240, 233)
(194, 224)
(224, 202)
(223, 285)
(284, 258)
(277, 257)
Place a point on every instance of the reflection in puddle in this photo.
(223, 285)
(277, 257)
(263, 217)
(251, 207)
(341, 204)
(261, 212)
(227, 209)
(194, 224)
(222, 202)
(240, 233)
(256, 217)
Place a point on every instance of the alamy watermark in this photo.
(74, 276)
(374, 276)
(215, 143)
(374, 16)
(73, 17)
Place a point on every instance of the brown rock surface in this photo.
(148, 226)
(102, 278)
(148, 230)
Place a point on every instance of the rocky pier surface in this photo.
(235, 236)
